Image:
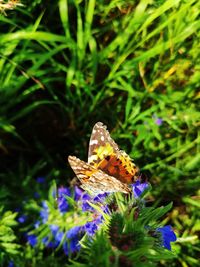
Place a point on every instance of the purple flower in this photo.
(59, 236)
(44, 213)
(66, 248)
(100, 197)
(78, 192)
(167, 236)
(73, 237)
(17, 209)
(45, 240)
(86, 197)
(54, 229)
(159, 121)
(22, 218)
(37, 224)
(72, 246)
(138, 188)
(63, 191)
(11, 264)
(32, 240)
(73, 232)
(40, 180)
(63, 205)
(36, 195)
(106, 209)
(90, 228)
(48, 243)
(87, 207)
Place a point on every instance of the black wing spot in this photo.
(133, 179)
(107, 158)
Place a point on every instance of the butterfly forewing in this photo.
(104, 154)
(101, 144)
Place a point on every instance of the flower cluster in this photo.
(64, 229)
(92, 226)
(62, 236)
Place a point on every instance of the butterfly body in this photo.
(108, 169)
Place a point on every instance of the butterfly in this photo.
(108, 169)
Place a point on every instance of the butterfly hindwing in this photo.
(119, 166)
(96, 180)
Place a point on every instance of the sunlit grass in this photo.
(125, 63)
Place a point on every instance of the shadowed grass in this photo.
(126, 63)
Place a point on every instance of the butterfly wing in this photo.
(95, 180)
(101, 144)
(120, 166)
(104, 154)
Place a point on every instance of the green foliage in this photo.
(188, 224)
(129, 241)
(8, 245)
(126, 63)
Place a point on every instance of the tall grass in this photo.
(126, 63)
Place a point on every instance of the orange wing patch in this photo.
(120, 168)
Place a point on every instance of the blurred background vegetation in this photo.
(135, 66)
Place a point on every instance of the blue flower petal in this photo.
(36, 195)
(54, 229)
(40, 180)
(167, 236)
(44, 212)
(37, 224)
(74, 245)
(100, 197)
(22, 218)
(59, 236)
(32, 240)
(78, 192)
(65, 248)
(87, 207)
(11, 264)
(63, 204)
(90, 228)
(73, 232)
(138, 188)
(63, 191)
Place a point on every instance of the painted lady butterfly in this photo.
(108, 169)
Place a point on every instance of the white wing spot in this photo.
(102, 138)
(94, 142)
(93, 157)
